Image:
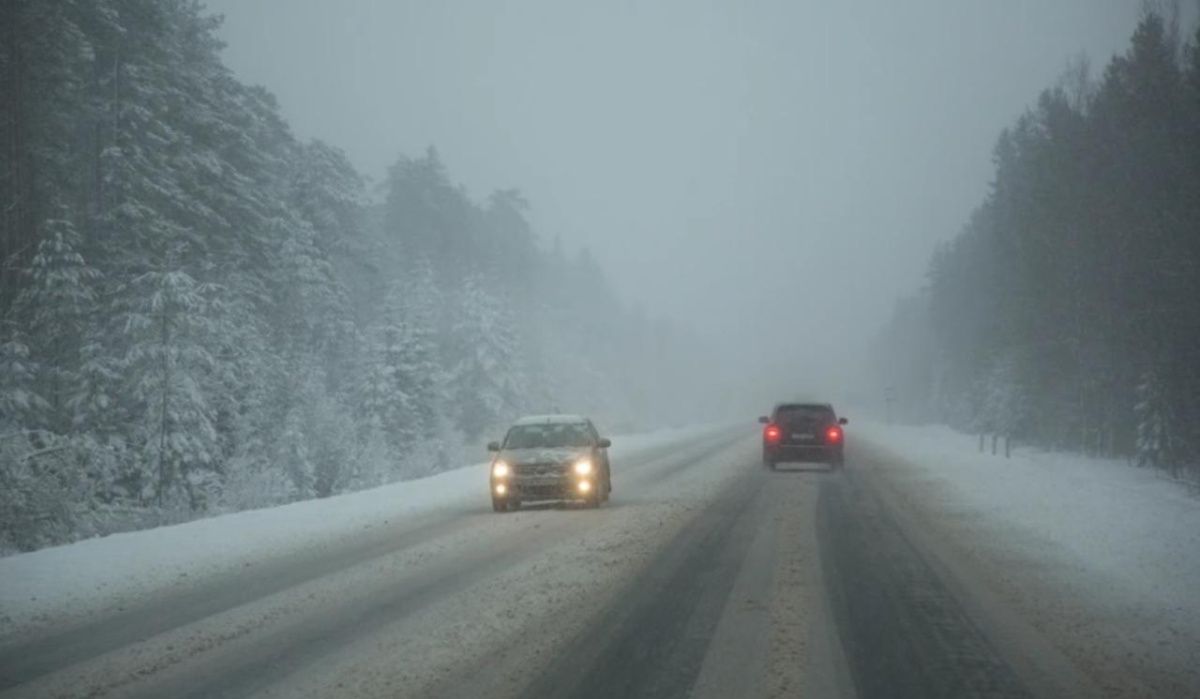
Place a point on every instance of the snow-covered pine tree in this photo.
(292, 455)
(486, 386)
(56, 305)
(312, 307)
(45, 69)
(431, 218)
(20, 405)
(30, 501)
(328, 193)
(1003, 404)
(420, 301)
(400, 394)
(170, 327)
(75, 374)
(246, 385)
(333, 442)
(327, 196)
(1153, 414)
(317, 446)
(508, 243)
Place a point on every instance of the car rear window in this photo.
(804, 413)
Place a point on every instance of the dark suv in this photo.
(550, 457)
(803, 432)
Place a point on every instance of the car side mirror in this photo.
(493, 446)
(843, 421)
(604, 443)
(764, 420)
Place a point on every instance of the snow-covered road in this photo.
(1085, 563)
(406, 586)
(706, 576)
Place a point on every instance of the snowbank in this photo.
(1136, 528)
(88, 575)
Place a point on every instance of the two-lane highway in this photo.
(707, 575)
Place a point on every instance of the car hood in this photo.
(544, 455)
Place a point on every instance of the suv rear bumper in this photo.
(803, 452)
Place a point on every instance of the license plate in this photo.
(801, 435)
(540, 481)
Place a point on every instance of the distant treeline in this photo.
(1067, 311)
(200, 312)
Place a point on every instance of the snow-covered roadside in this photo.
(1102, 557)
(79, 578)
(1134, 525)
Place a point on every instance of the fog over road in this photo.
(273, 272)
(707, 575)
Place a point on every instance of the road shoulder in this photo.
(1054, 622)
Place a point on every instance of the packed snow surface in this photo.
(85, 576)
(1136, 528)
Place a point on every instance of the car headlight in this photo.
(501, 469)
(583, 467)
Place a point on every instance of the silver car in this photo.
(550, 457)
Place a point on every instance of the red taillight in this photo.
(772, 433)
(833, 435)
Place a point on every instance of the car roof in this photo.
(550, 420)
(826, 406)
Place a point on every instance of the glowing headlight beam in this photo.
(583, 467)
(500, 469)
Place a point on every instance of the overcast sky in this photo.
(771, 169)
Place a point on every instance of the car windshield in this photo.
(550, 435)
